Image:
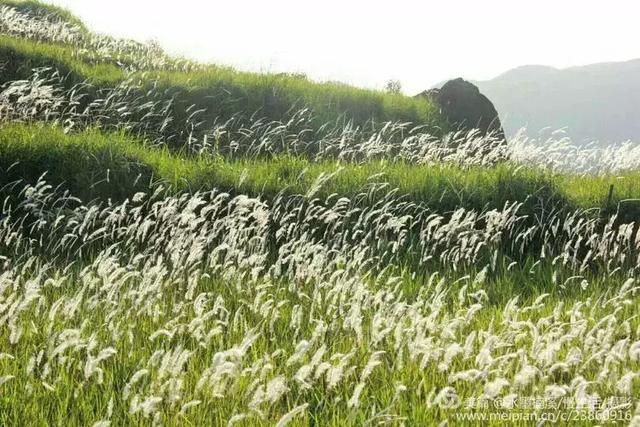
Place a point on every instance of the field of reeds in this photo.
(345, 260)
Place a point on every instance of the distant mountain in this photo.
(598, 102)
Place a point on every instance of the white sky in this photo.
(369, 42)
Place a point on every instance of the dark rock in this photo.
(466, 108)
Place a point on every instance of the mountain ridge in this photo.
(594, 102)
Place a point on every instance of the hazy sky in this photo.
(369, 42)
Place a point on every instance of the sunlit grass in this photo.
(216, 332)
(222, 88)
(256, 273)
(81, 162)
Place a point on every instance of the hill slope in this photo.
(158, 268)
(35, 35)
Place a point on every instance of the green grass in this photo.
(39, 7)
(92, 164)
(224, 91)
(275, 94)
(21, 56)
(189, 272)
(221, 92)
(55, 399)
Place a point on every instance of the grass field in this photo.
(162, 267)
(92, 164)
(222, 91)
(195, 310)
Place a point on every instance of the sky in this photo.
(367, 43)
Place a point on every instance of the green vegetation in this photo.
(316, 292)
(187, 356)
(270, 94)
(46, 10)
(179, 321)
(275, 94)
(92, 164)
(21, 56)
(222, 91)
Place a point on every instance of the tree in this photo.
(393, 86)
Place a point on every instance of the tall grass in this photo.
(167, 310)
(92, 164)
(104, 61)
(161, 265)
(44, 10)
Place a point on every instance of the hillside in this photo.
(598, 102)
(185, 244)
(35, 37)
(95, 165)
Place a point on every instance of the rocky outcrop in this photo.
(466, 108)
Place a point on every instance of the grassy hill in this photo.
(221, 91)
(186, 100)
(45, 11)
(186, 244)
(95, 165)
